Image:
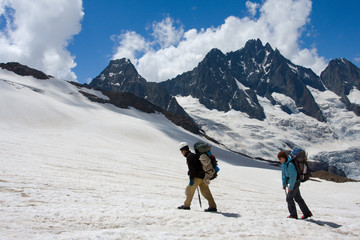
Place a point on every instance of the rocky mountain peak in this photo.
(254, 50)
(120, 76)
(121, 65)
(214, 54)
(118, 73)
(341, 76)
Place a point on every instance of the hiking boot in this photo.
(305, 216)
(183, 207)
(294, 217)
(210, 210)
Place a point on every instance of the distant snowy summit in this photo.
(236, 80)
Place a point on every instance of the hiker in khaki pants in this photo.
(196, 175)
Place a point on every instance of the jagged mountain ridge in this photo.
(233, 81)
(212, 83)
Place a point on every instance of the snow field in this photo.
(72, 169)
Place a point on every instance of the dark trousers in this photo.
(295, 195)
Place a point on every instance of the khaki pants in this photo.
(204, 189)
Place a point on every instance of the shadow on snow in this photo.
(323, 223)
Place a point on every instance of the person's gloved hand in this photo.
(191, 182)
(207, 181)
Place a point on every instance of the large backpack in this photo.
(299, 158)
(209, 163)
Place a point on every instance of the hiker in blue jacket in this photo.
(290, 177)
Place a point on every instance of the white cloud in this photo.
(280, 22)
(166, 34)
(130, 45)
(252, 7)
(36, 33)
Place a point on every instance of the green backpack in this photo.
(210, 167)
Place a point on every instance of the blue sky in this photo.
(75, 40)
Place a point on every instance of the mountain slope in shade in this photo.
(121, 76)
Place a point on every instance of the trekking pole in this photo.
(199, 196)
(285, 192)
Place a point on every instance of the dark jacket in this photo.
(194, 165)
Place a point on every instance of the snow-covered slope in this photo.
(73, 169)
(339, 136)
